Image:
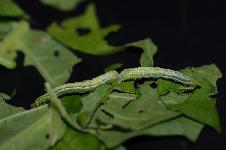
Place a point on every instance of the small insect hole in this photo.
(47, 136)
(153, 85)
(56, 53)
(141, 111)
(82, 31)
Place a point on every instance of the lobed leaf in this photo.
(53, 61)
(208, 72)
(200, 107)
(140, 113)
(92, 42)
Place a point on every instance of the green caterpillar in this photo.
(111, 76)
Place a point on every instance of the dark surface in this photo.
(187, 33)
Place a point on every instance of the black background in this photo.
(187, 33)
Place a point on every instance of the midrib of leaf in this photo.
(21, 113)
(16, 34)
(37, 63)
(41, 123)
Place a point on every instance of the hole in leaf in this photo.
(153, 85)
(82, 31)
(56, 53)
(47, 136)
(141, 111)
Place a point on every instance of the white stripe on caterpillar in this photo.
(79, 87)
(109, 77)
(155, 72)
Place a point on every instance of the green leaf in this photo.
(127, 86)
(5, 28)
(113, 67)
(165, 86)
(9, 8)
(179, 126)
(55, 102)
(33, 124)
(116, 99)
(140, 113)
(209, 72)
(72, 103)
(74, 140)
(53, 61)
(57, 126)
(92, 42)
(149, 50)
(120, 99)
(173, 98)
(6, 109)
(200, 107)
(63, 5)
(91, 103)
(4, 96)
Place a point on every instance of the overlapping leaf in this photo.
(9, 8)
(52, 60)
(140, 113)
(201, 107)
(74, 140)
(92, 42)
(33, 124)
(63, 5)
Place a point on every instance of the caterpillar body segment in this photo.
(112, 76)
